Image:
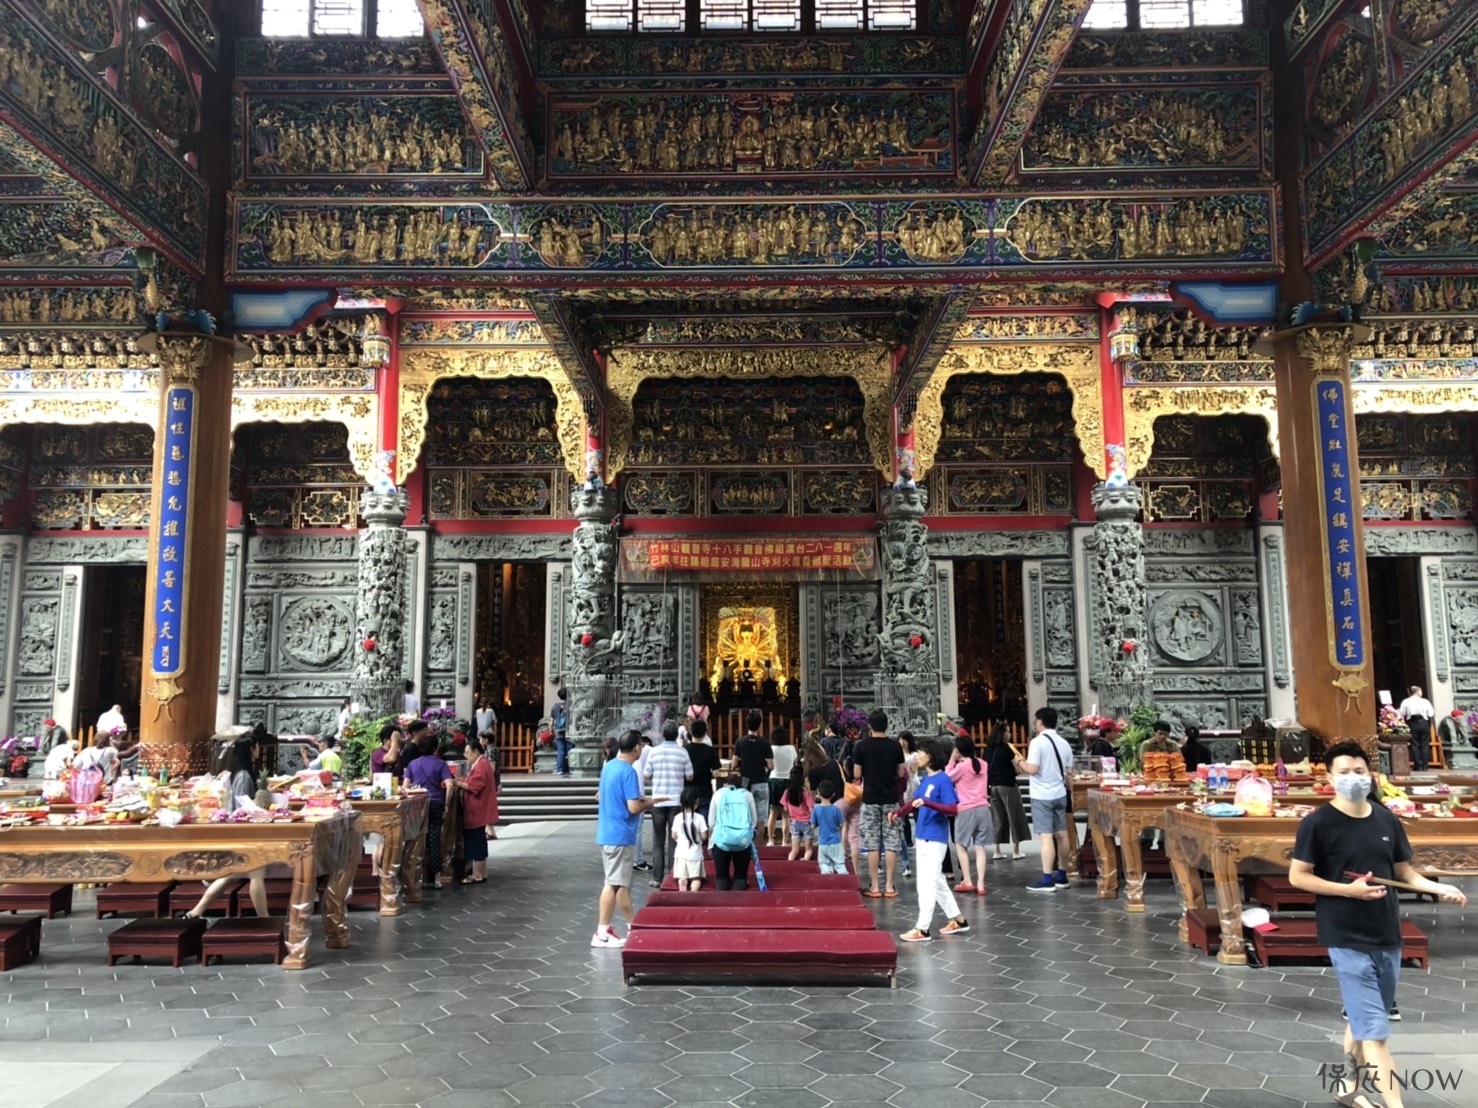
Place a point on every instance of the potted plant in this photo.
(1134, 734)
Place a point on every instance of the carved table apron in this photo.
(402, 823)
(1223, 846)
(1125, 815)
(201, 851)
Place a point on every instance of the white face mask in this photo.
(1352, 786)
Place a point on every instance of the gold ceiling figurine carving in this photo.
(1037, 327)
(422, 367)
(1327, 349)
(1077, 364)
(869, 366)
(1184, 337)
(1142, 406)
(359, 413)
(183, 357)
(87, 307)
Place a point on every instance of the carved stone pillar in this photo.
(1118, 602)
(908, 677)
(594, 681)
(380, 605)
(187, 549)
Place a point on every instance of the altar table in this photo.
(402, 824)
(108, 852)
(1264, 845)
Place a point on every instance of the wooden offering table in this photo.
(201, 851)
(1114, 812)
(402, 823)
(1264, 845)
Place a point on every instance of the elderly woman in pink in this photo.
(479, 809)
(974, 828)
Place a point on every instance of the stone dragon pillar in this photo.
(1118, 602)
(908, 677)
(594, 680)
(380, 605)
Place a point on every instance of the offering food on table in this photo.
(1164, 767)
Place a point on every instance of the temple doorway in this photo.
(751, 646)
(1396, 625)
(508, 641)
(990, 650)
(112, 643)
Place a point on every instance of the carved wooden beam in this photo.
(476, 53)
(928, 343)
(1418, 140)
(63, 125)
(1032, 44)
(571, 342)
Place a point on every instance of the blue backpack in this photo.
(732, 829)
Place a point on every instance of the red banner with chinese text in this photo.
(845, 553)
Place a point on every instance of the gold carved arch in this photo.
(1142, 406)
(358, 412)
(1077, 364)
(869, 366)
(421, 368)
(74, 410)
(1425, 399)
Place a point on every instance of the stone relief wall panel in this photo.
(1205, 627)
(297, 630)
(649, 629)
(842, 648)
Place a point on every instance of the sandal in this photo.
(890, 895)
(1356, 1099)
(964, 887)
(979, 890)
(873, 894)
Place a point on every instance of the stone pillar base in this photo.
(181, 759)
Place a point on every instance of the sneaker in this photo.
(1059, 878)
(1394, 1015)
(607, 939)
(916, 936)
(907, 872)
(1045, 885)
(955, 926)
(645, 867)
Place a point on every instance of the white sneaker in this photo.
(607, 939)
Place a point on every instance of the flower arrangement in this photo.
(849, 720)
(1470, 720)
(1391, 722)
(1106, 724)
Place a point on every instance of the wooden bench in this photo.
(20, 941)
(783, 956)
(150, 899)
(1298, 937)
(175, 939)
(245, 938)
(50, 899)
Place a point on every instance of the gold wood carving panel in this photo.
(1078, 365)
(1142, 406)
(869, 366)
(72, 409)
(358, 413)
(1383, 398)
(422, 367)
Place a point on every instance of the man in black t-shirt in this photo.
(756, 759)
(705, 761)
(877, 762)
(1359, 919)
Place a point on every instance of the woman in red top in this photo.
(479, 809)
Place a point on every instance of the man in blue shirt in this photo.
(621, 809)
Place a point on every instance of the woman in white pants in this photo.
(933, 803)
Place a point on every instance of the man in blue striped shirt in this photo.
(668, 769)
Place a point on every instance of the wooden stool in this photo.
(279, 897)
(1087, 859)
(148, 899)
(1298, 937)
(1204, 927)
(175, 939)
(20, 941)
(182, 898)
(365, 892)
(245, 938)
(50, 899)
(1277, 894)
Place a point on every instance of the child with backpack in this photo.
(732, 818)
(689, 832)
(796, 800)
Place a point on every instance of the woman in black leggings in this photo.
(730, 867)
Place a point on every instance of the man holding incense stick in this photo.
(1342, 854)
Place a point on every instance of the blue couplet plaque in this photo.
(1340, 502)
(170, 552)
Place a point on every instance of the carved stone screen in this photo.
(81, 478)
(492, 450)
(1205, 469)
(1006, 446)
(1416, 467)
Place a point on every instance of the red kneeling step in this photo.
(175, 939)
(787, 955)
(50, 899)
(768, 917)
(1298, 937)
(20, 941)
(1277, 894)
(245, 938)
(150, 899)
(792, 898)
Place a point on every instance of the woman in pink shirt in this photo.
(973, 824)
